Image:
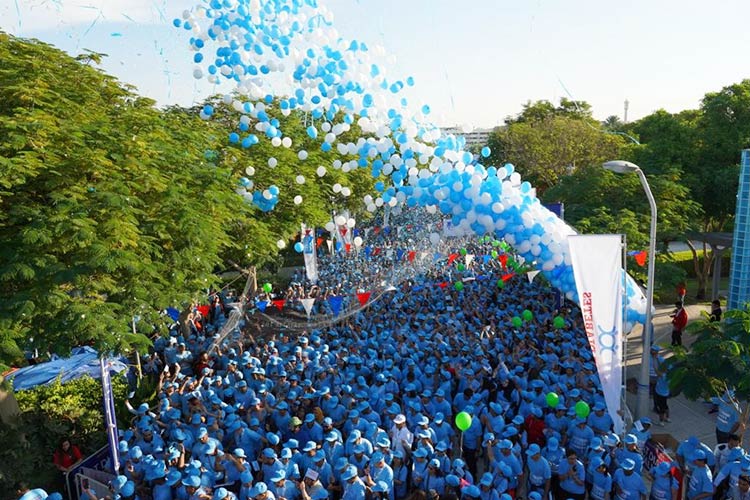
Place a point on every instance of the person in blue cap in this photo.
(601, 481)
(472, 441)
(724, 450)
(599, 420)
(726, 478)
(378, 471)
(572, 477)
(281, 487)
(687, 448)
(728, 416)
(664, 485)
(434, 480)
(579, 436)
(630, 451)
(354, 488)
(628, 483)
(554, 454)
(538, 474)
(23, 492)
(700, 483)
(505, 461)
(487, 491)
(400, 475)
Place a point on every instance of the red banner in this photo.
(279, 304)
(363, 298)
(411, 256)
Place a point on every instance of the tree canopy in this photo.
(110, 207)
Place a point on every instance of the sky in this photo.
(475, 62)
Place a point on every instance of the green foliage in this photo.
(111, 208)
(50, 414)
(719, 358)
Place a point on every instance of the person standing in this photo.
(679, 322)
(24, 493)
(715, 315)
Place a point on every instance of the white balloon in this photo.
(337, 188)
(281, 244)
(330, 226)
(358, 241)
(250, 171)
(321, 171)
(267, 194)
(346, 191)
(272, 162)
(434, 238)
(286, 142)
(298, 200)
(276, 142)
(302, 155)
(300, 179)
(340, 220)
(351, 223)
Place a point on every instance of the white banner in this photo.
(309, 251)
(597, 267)
(308, 305)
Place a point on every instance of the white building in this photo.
(476, 137)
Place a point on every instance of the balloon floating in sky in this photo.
(286, 56)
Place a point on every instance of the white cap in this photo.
(400, 419)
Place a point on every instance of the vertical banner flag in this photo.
(309, 251)
(597, 267)
(110, 421)
(343, 233)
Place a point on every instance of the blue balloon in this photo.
(485, 152)
(298, 247)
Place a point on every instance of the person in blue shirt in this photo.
(354, 488)
(572, 477)
(579, 437)
(599, 420)
(628, 483)
(661, 393)
(728, 417)
(700, 484)
(630, 451)
(538, 472)
(601, 480)
(664, 486)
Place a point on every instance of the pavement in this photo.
(688, 417)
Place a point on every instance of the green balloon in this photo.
(458, 285)
(558, 322)
(582, 409)
(527, 315)
(460, 267)
(500, 284)
(463, 421)
(495, 243)
(462, 251)
(516, 321)
(494, 254)
(267, 287)
(552, 399)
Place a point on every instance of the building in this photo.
(739, 272)
(477, 137)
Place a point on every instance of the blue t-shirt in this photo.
(601, 484)
(701, 481)
(568, 484)
(630, 486)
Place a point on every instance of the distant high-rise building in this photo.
(477, 137)
(739, 272)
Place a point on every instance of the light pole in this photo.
(642, 402)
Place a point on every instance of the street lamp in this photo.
(642, 402)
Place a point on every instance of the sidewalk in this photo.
(688, 417)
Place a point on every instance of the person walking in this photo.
(679, 322)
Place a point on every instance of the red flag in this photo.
(411, 256)
(640, 257)
(506, 277)
(452, 257)
(503, 260)
(203, 310)
(348, 247)
(343, 231)
(363, 298)
(375, 252)
(376, 229)
(319, 242)
(279, 303)
(443, 284)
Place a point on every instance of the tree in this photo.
(613, 124)
(111, 208)
(718, 363)
(546, 144)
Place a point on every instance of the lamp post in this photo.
(642, 402)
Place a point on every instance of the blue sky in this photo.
(474, 61)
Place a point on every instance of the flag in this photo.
(503, 260)
(411, 256)
(279, 304)
(597, 267)
(308, 305)
(262, 305)
(309, 252)
(336, 303)
(531, 275)
(640, 257)
(468, 259)
(363, 298)
(452, 257)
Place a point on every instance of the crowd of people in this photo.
(366, 408)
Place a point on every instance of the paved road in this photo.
(688, 417)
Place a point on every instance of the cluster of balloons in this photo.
(337, 83)
(582, 408)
